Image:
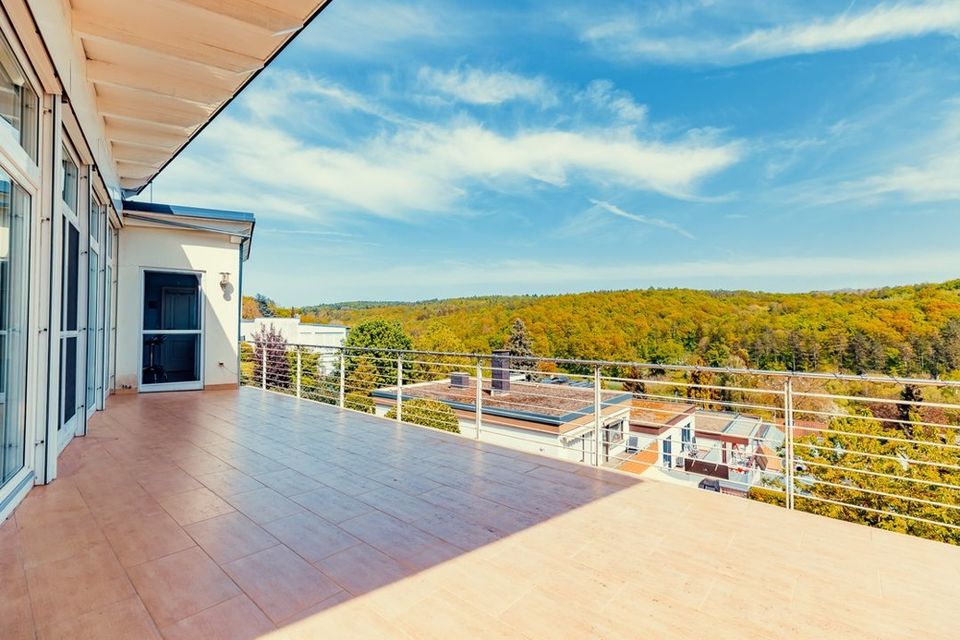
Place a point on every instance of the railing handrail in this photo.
(774, 373)
(737, 457)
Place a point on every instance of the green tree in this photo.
(518, 344)
(364, 377)
(861, 471)
(374, 339)
(428, 413)
(265, 306)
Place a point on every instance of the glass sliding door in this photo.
(109, 304)
(94, 386)
(172, 334)
(14, 281)
(71, 366)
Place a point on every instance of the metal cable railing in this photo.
(879, 450)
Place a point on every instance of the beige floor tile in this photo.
(236, 619)
(264, 505)
(281, 582)
(180, 585)
(126, 619)
(84, 582)
(312, 537)
(137, 539)
(194, 506)
(230, 537)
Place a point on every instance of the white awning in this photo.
(161, 69)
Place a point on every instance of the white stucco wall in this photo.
(207, 253)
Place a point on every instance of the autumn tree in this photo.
(856, 471)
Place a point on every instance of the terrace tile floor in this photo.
(247, 514)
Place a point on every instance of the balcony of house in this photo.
(250, 513)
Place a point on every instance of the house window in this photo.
(70, 181)
(19, 103)
(686, 436)
(668, 452)
(14, 250)
(613, 433)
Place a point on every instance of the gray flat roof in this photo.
(188, 212)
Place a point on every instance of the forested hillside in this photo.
(899, 330)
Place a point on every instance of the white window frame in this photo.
(193, 385)
(26, 172)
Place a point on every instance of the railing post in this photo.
(478, 414)
(789, 460)
(263, 366)
(399, 387)
(597, 415)
(299, 370)
(343, 379)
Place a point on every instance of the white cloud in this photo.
(365, 28)
(625, 37)
(933, 176)
(642, 219)
(281, 92)
(425, 169)
(475, 86)
(603, 94)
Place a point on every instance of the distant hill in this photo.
(903, 330)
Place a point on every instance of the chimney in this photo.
(459, 380)
(500, 365)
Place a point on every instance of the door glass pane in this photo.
(71, 275)
(18, 101)
(171, 357)
(94, 265)
(70, 175)
(14, 260)
(68, 390)
(108, 334)
(96, 210)
(171, 301)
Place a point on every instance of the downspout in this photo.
(240, 306)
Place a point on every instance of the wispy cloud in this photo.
(642, 219)
(928, 171)
(367, 28)
(476, 86)
(411, 167)
(627, 38)
(604, 95)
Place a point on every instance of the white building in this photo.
(551, 419)
(100, 293)
(305, 334)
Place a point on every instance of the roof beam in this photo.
(139, 155)
(192, 51)
(151, 137)
(271, 20)
(162, 112)
(180, 87)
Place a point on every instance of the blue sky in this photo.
(412, 149)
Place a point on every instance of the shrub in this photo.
(271, 341)
(428, 413)
(358, 402)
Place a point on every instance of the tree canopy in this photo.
(909, 330)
